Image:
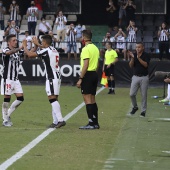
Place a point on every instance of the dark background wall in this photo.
(93, 11)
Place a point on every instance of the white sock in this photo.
(57, 111)
(13, 106)
(5, 111)
(55, 120)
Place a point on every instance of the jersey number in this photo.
(8, 86)
(57, 60)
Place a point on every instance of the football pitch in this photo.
(122, 142)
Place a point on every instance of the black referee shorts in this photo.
(109, 71)
(89, 83)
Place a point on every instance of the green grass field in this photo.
(122, 142)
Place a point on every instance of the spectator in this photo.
(44, 27)
(32, 14)
(79, 30)
(130, 11)
(112, 15)
(106, 39)
(14, 11)
(5, 30)
(120, 39)
(2, 12)
(38, 4)
(108, 66)
(71, 41)
(29, 42)
(163, 35)
(61, 22)
(59, 8)
(122, 11)
(132, 29)
(54, 40)
(12, 29)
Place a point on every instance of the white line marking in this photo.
(166, 152)
(37, 140)
(166, 119)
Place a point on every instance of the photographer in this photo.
(61, 22)
(14, 11)
(71, 41)
(130, 8)
(163, 34)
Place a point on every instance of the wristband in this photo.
(80, 78)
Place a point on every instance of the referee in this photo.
(88, 79)
(140, 63)
(108, 66)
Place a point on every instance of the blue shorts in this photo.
(71, 45)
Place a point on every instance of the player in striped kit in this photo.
(50, 57)
(9, 81)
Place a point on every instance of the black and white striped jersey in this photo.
(13, 13)
(10, 64)
(71, 37)
(132, 35)
(50, 58)
(32, 17)
(163, 36)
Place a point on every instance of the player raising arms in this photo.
(50, 58)
(9, 81)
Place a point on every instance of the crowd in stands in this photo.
(66, 36)
(122, 32)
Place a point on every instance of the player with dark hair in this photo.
(50, 57)
(88, 79)
(9, 81)
(140, 63)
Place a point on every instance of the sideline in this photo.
(37, 140)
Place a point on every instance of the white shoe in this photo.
(7, 124)
(9, 121)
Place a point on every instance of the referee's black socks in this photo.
(92, 112)
(113, 84)
(89, 109)
(95, 114)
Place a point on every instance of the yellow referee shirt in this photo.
(91, 52)
(110, 56)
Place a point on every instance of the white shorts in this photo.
(9, 87)
(53, 87)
